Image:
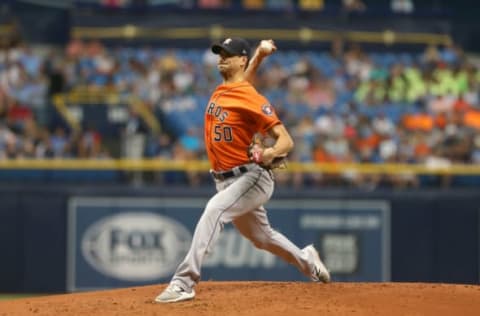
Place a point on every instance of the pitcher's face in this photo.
(229, 64)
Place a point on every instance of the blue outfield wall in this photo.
(55, 239)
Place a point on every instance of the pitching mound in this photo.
(264, 298)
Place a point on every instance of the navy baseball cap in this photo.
(235, 46)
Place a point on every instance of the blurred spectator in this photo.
(353, 5)
(54, 70)
(113, 4)
(402, 6)
(160, 146)
(431, 56)
(7, 139)
(17, 114)
(133, 143)
(134, 137)
(253, 4)
(90, 145)
(314, 5)
(383, 126)
(213, 4)
(280, 4)
(59, 142)
(475, 155)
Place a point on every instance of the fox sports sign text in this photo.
(135, 246)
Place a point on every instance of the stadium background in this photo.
(101, 106)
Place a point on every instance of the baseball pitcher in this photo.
(241, 167)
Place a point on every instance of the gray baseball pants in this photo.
(239, 200)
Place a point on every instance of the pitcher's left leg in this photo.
(235, 197)
(255, 226)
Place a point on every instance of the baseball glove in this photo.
(255, 153)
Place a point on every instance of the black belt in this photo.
(224, 175)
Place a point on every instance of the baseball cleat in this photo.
(174, 293)
(320, 272)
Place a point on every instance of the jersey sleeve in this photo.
(264, 114)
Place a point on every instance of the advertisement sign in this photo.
(119, 242)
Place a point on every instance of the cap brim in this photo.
(217, 48)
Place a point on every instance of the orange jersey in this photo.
(235, 112)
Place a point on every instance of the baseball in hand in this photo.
(266, 46)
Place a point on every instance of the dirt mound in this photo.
(264, 298)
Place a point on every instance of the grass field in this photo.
(7, 297)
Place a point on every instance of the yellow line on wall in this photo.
(146, 115)
(302, 34)
(202, 165)
(59, 103)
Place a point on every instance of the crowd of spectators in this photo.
(342, 7)
(341, 105)
(27, 81)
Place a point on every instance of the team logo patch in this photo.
(267, 109)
